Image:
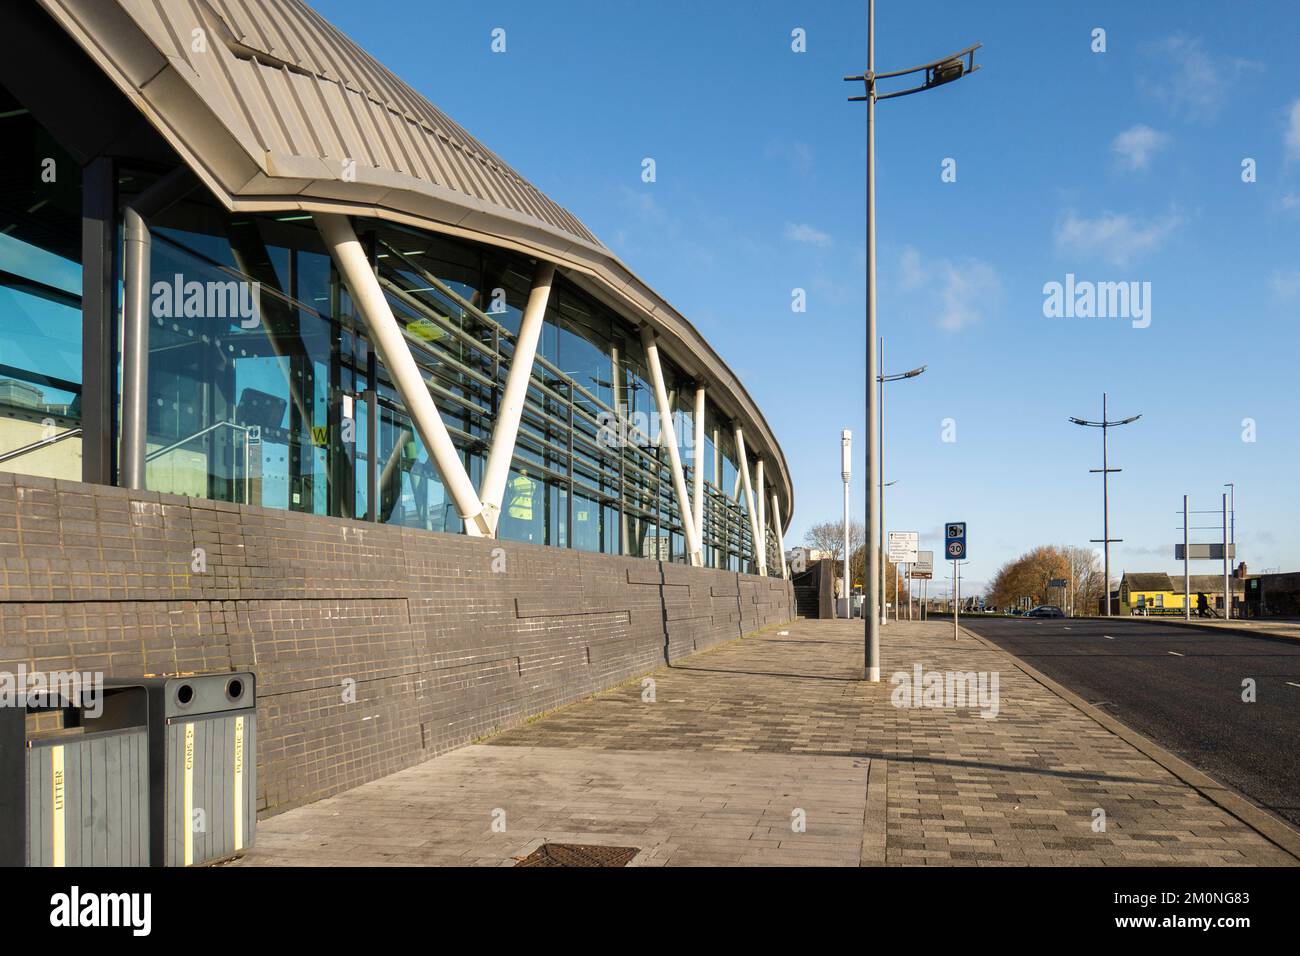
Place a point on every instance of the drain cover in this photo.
(573, 854)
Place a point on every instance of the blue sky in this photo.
(1115, 166)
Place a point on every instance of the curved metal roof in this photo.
(275, 109)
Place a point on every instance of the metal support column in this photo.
(386, 336)
(505, 430)
(135, 319)
(743, 466)
(670, 439)
(697, 462)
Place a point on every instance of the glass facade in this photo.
(262, 388)
(40, 299)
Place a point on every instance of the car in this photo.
(1045, 610)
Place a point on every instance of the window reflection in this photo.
(40, 299)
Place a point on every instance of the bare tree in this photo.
(828, 536)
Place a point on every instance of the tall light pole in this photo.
(881, 379)
(1231, 516)
(846, 472)
(1232, 512)
(937, 73)
(1105, 425)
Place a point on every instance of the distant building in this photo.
(1160, 593)
(799, 559)
(1273, 595)
(20, 393)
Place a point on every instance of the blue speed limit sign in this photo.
(954, 545)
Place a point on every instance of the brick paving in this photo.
(769, 750)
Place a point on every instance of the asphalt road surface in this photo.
(1182, 688)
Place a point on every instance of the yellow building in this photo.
(1159, 593)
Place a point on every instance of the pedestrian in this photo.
(1202, 605)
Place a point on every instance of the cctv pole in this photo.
(846, 471)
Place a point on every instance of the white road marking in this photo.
(1293, 683)
(1108, 637)
(1176, 654)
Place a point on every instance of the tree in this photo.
(828, 536)
(1027, 578)
(858, 570)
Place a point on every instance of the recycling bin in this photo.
(202, 767)
(76, 794)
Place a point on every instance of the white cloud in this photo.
(1291, 202)
(798, 154)
(961, 292)
(1286, 285)
(1137, 144)
(1189, 80)
(1118, 238)
(1293, 132)
(802, 232)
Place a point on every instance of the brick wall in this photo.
(444, 638)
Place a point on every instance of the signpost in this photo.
(923, 571)
(1204, 552)
(902, 546)
(954, 549)
(902, 550)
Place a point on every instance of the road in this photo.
(1182, 688)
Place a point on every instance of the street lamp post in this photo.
(1229, 516)
(881, 379)
(1105, 424)
(846, 472)
(937, 73)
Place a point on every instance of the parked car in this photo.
(1045, 610)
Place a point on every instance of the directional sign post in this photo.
(954, 549)
(902, 546)
(923, 571)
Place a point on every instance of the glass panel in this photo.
(251, 389)
(40, 300)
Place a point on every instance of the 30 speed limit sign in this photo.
(954, 544)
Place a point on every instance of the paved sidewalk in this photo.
(743, 744)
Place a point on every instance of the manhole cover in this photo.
(572, 854)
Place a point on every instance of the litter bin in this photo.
(76, 794)
(203, 767)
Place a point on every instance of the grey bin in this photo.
(203, 767)
(77, 795)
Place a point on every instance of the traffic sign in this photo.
(954, 541)
(923, 570)
(1057, 583)
(902, 546)
(1204, 552)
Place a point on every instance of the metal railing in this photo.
(245, 430)
(38, 445)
